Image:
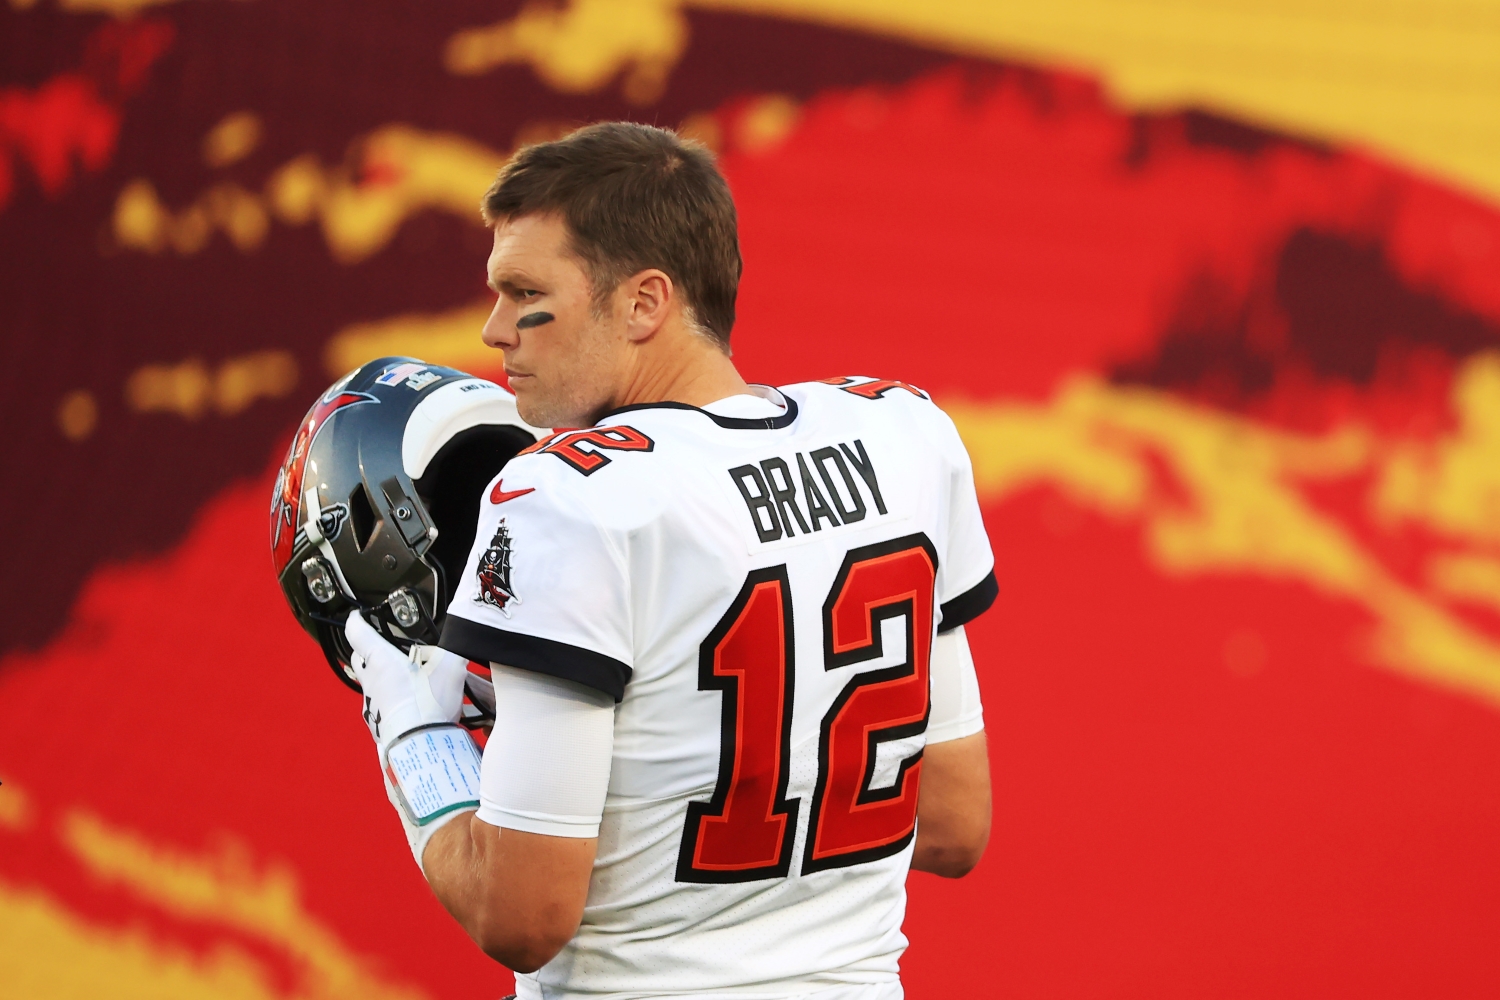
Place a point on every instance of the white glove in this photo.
(430, 774)
(404, 691)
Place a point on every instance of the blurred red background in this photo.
(1232, 395)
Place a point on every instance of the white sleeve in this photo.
(546, 765)
(956, 711)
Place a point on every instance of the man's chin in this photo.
(530, 413)
(539, 412)
(540, 409)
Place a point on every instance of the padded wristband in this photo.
(434, 771)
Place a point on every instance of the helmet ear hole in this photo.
(452, 490)
(362, 517)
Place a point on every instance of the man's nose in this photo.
(500, 328)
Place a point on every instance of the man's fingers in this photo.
(362, 638)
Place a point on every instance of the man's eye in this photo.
(529, 293)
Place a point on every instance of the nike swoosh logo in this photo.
(499, 495)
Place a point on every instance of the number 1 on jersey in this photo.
(745, 831)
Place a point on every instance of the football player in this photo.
(734, 703)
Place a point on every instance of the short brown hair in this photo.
(634, 197)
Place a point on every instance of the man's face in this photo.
(564, 370)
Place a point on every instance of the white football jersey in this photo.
(759, 595)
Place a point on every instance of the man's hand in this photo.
(404, 691)
(412, 703)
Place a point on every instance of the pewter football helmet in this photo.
(377, 502)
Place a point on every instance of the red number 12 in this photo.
(745, 831)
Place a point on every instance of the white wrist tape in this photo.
(434, 771)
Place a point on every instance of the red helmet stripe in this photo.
(287, 501)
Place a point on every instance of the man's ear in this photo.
(651, 300)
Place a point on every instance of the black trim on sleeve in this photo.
(969, 605)
(528, 652)
(732, 423)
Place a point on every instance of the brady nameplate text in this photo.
(836, 484)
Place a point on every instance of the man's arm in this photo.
(953, 808)
(515, 874)
(519, 895)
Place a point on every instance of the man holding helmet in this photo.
(724, 624)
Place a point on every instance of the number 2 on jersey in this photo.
(745, 831)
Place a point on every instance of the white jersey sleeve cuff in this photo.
(956, 709)
(547, 824)
(546, 765)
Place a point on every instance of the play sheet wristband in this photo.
(435, 770)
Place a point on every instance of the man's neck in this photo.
(685, 368)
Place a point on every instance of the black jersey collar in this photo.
(733, 423)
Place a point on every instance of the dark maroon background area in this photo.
(74, 315)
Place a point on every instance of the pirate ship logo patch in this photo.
(494, 573)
